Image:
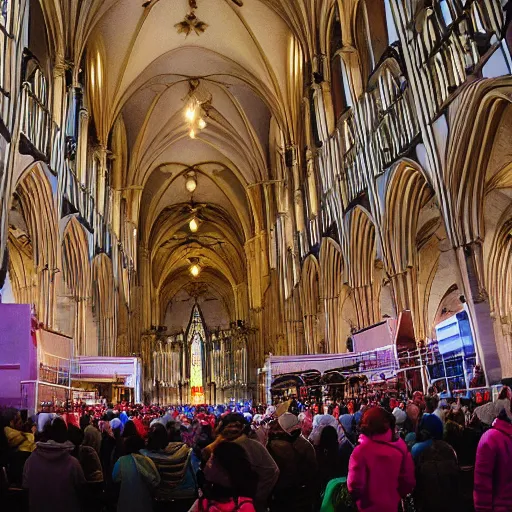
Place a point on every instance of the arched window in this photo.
(340, 88)
(371, 34)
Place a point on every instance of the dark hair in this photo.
(233, 459)
(75, 435)
(431, 403)
(130, 429)
(133, 444)
(59, 430)
(231, 418)
(375, 420)
(329, 439)
(157, 437)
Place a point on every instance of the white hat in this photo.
(288, 422)
(400, 415)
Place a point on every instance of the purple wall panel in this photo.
(18, 356)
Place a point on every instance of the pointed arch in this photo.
(104, 303)
(361, 248)
(77, 278)
(37, 207)
(473, 131)
(499, 279)
(407, 192)
(310, 297)
(333, 293)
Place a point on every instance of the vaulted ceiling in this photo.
(140, 68)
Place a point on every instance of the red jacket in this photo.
(493, 485)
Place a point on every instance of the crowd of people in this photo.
(379, 455)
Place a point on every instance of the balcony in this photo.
(37, 125)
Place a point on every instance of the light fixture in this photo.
(193, 225)
(191, 181)
(195, 268)
(198, 101)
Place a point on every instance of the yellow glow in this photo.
(202, 124)
(190, 113)
(194, 270)
(193, 225)
(93, 77)
(100, 74)
(192, 134)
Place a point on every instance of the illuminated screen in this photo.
(196, 334)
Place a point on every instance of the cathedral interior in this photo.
(200, 184)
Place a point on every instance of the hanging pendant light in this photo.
(193, 225)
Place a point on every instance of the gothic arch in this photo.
(334, 293)
(479, 111)
(499, 279)
(77, 278)
(39, 253)
(407, 192)
(361, 248)
(104, 303)
(309, 287)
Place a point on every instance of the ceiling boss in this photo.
(191, 23)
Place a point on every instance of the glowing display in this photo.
(196, 338)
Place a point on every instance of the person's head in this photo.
(157, 438)
(58, 430)
(85, 421)
(431, 403)
(456, 416)
(12, 418)
(75, 435)
(232, 426)
(228, 473)
(133, 444)
(130, 429)
(92, 438)
(289, 423)
(431, 427)
(329, 439)
(375, 420)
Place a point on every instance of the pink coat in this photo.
(380, 473)
(493, 485)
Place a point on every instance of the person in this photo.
(232, 427)
(177, 465)
(53, 477)
(381, 469)
(138, 477)
(332, 458)
(493, 485)
(20, 444)
(229, 484)
(295, 456)
(430, 429)
(436, 468)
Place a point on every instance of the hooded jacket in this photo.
(54, 478)
(138, 477)
(493, 485)
(381, 472)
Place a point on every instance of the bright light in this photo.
(194, 270)
(202, 124)
(192, 134)
(193, 225)
(191, 184)
(190, 113)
